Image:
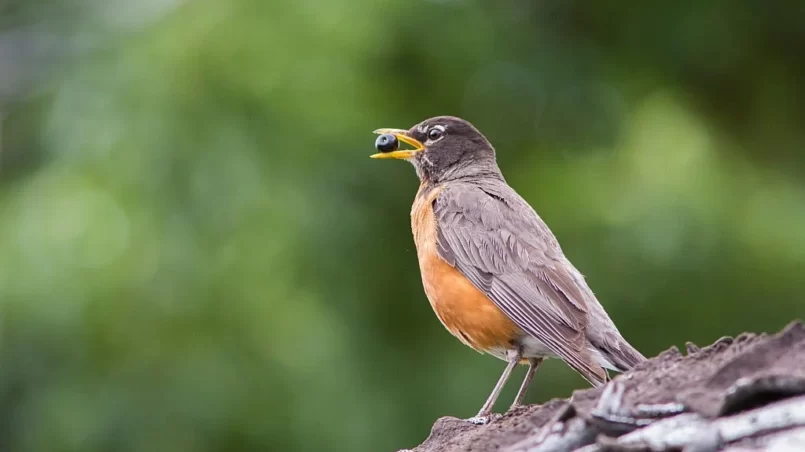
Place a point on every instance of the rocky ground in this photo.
(738, 394)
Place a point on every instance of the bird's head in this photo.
(444, 148)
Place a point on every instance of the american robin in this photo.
(492, 270)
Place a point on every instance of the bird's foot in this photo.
(479, 420)
(482, 419)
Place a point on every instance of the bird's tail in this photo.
(622, 355)
(619, 357)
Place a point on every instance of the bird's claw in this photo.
(484, 419)
(479, 420)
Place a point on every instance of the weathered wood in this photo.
(746, 393)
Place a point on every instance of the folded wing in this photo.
(498, 242)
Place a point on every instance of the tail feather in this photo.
(622, 355)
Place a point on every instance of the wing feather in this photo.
(495, 239)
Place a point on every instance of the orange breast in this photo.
(464, 310)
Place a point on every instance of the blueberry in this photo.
(387, 143)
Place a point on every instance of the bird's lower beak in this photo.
(401, 135)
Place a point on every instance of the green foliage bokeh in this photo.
(196, 253)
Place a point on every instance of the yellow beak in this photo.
(401, 135)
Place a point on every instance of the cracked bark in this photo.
(738, 394)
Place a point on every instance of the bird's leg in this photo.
(533, 364)
(513, 357)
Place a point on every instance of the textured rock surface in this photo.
(746, 393)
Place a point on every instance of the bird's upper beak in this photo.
(401, 135)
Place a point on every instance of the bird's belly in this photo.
(463, 309)
(471, 316)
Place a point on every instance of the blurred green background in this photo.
(197, 254)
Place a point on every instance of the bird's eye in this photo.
(435, 133)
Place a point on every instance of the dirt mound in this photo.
(746, 393)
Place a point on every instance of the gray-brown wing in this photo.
(495, 239)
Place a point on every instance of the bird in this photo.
(492, 270)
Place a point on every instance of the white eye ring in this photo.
(435, 134)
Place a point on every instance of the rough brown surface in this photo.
(450, 433)
(746, 393)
